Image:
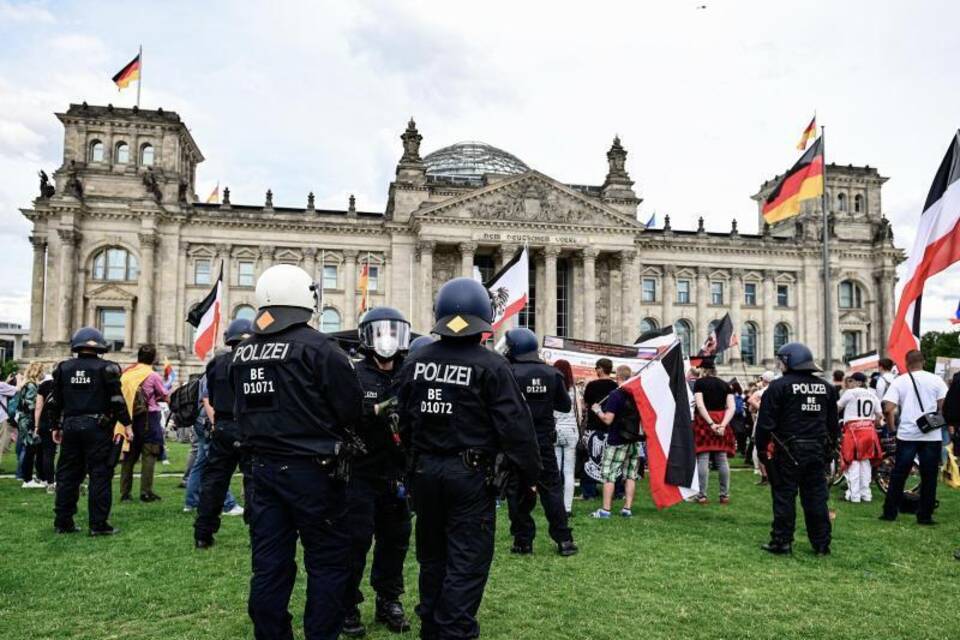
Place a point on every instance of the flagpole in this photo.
(139, 75)
(827, 289)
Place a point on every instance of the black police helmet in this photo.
(238, 331)
(422, 341)
(88, 339)
(382, 313)
(462, 308)
(522, 345)
(796, 356)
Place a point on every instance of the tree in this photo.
(6, 368)
(943, 344)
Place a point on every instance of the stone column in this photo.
(669, 295)
(144, 314)
(590, 293)
(266, 257)
(350, 288)
(69, 239)
(226, 311)
(884, 280)
(576, 293)
(36, 295)
(837, 348)
(179, 323)
(736, 300)
(539, 273)
(467, 251)
(310, 262)
(385, 287)
(550, 254)
(765, 337)
(425, 288)
(703, 297)
(630, 307)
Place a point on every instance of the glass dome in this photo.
(471, 160)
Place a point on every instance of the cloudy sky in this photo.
(313, 96)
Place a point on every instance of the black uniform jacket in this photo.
(542, 386)
(798, 405)
(383, 459)
(86, 386)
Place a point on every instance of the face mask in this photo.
(385, 346)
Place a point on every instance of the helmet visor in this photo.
(385, 337)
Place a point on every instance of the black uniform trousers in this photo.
(85, 449)
(928, 455)
(297, 498)
(456, 519)
(550, 490)
(809, 478)
(223, 460)
(375, 511)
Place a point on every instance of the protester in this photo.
(753, 403)
(141, 380)
(916, 394)
(568, 434)
(191, 498)
(839, 381)
(713, 437)
(595, 391)
(886, 376)
(861, 446)
(620, 457)
(28, 430)
(739, 421)
(7, 426)
(48, 448)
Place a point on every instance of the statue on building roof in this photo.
(152, 184)
(46, 189)
(411, 143)
(74, 187)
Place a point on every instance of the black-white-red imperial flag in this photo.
(510, 288)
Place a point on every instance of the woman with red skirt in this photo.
(712, 434)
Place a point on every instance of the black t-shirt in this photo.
(715, 392)
(595, 391)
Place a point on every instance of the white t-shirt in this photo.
(931, 387)
(883, 382)
(859, 404)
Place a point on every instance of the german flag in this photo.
(803, 181)
(808, 133)
(365, 285)
(128, 74)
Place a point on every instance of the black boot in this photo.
(822, 551)
(68, 528)
(103, 530)
(390, 613)
(352, 625)
(203, 543)
(778, 548)
(567, 548)
(521, 548)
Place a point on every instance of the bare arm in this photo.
(208, 409)
(701, 407)
(37, 410)
(731, 409)
(890, 411)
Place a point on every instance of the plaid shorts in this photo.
(620, 458)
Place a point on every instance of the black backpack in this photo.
(185, 404)
(628, 420)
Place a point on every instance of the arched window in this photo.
(684, 331)
(857, 203)
(330, 320)
(146, 155)
(842, 201)
(244, 312)
(851, 295)
(781, 336)
(115, 263)
(122, 153)
(647, 325)
(748, 343)
(96, 151)
(717, 359)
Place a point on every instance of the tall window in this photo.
(486, 265)
(373, 278)
(683, 292)
(113, 326)
(750, 294)
(329, 276)
(244, 312)
(781, 336)
(330, 320)
(201, 271)
(122, 153)
(783, 295)
(851, 296)
(748, 343)
(563, 297)
(528, 315)
(96, 151)
(842, 201)
(146, 155)
(851, 343)
(115, 263)
(716, 293)
(649, 290)
(684, 332)
(857, 203)
(647, 325)
(245, 273)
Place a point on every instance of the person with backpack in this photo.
(143, 391)
(28, 429)
(712, 434)
(203, 421)
(48, 448)
(621, 455)
(8, 425)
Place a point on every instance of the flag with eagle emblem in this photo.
(510, 288)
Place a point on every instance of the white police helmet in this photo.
(286, 295)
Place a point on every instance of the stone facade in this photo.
(123, 244)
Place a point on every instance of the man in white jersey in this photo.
(861, 446)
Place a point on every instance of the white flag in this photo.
(510, 288)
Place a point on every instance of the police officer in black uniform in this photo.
(798, 415)
(297, 401)
(460, 405)
(226, 446)
(86, 404)
(544, 390)
(376, 494)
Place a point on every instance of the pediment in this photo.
(529, 198)
(110, 292)
(854, 316)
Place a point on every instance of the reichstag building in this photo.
(121, 242)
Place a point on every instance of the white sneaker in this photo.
(188, 509)
(236, 511)
(33, 484)
(52, 487)
(165, 462)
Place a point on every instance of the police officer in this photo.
(297, 402)
(544, 390)
(459, 405)
(798, 415)
(226, 452)
(419, 341)
(86, 404)
(376, 494)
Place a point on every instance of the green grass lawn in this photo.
(687, 572)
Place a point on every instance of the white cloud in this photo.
(24, 12)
